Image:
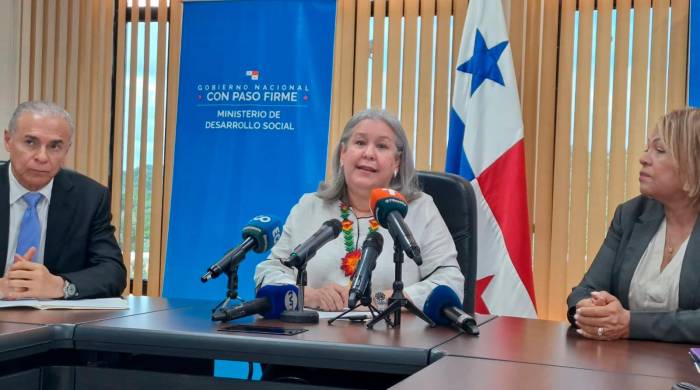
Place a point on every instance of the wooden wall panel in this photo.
(66, 55)
(408, 82)
(618, 162)
(597, 210)
(678, 57)
(559, 251)
(378, 55)
(545, 156)
(63, 52)
(67, 48)
(425, 90)
(393, 69)
(638, 95)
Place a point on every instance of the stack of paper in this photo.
(100, 303)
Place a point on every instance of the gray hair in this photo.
(42, 109)
(405, 181)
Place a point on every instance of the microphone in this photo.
(389, 208)
(270, 301)
(371, 249)
(260, 234)
(444, 307)
(306, 250)
(257, 305)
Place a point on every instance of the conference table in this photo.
(180, 335)
(527, 353)
(137, 305)
(189, 332)
(19, 340)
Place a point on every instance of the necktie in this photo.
(30, 228)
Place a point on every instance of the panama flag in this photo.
(486, 147)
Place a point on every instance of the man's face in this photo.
(37, 148)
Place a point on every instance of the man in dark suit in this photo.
(56, 236)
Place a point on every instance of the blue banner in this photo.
(694, 55)
(252, 128)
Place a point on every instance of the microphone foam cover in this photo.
(334, 224)
(383, 201)
(440, 298)
(281, 296)
(264, 230)
(374, 240)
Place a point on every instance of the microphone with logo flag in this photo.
(371, 249)
(306, 250)
(389, 208)
(299, 257)
(444, 307)
(270, 301)
(260, 234)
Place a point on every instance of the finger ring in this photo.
(600, 332)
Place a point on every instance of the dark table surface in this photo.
(555, 344)
(454, 372)
(189, 332)
(18, 340)
(509, 352)
(137, 305)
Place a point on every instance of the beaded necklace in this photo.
(349, 262)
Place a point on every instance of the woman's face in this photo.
(370, 156)
(659, 177)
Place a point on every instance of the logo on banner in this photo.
(249, 104)
(236, 118)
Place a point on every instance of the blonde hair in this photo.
(680, 131)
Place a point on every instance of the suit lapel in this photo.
(643, 231)
(61, 211)
(4, 215)
(690, 271)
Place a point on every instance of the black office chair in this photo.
(454, 198)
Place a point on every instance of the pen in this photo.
(694, 354)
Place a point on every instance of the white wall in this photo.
(9, 61)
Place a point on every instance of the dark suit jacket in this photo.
(80, 244)
(632, 228)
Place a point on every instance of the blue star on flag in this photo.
(484, 62)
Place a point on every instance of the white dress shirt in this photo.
(652, 289)
(17, 208)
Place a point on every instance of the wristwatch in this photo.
(69, 290)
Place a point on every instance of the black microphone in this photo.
(270, 301)
(444, 307)
(255, 306)
(371, 249)
(306, 250)
(261, 233)
(461, 319)
(389, 207)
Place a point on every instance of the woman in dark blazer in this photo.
(645, 280)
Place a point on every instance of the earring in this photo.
(396, 172)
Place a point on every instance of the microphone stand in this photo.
(365, 300)
(300, 316)
(398, 301)
(231, 292)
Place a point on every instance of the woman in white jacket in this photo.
(373, 152)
